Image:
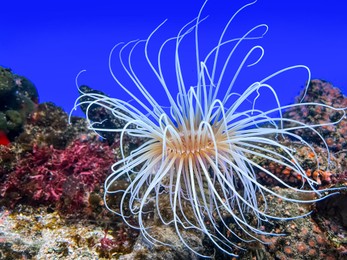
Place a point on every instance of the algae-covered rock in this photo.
(7, 83)
(18, 98)
(48, 125)
(14, 120)
(27, 88)
(3, 121)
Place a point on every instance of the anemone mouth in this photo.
(192, 143)
(194, 169)
(190, 148)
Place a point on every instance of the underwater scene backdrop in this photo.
(201, 136)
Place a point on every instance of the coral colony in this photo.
(195, 169)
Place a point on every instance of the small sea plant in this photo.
(194, 168)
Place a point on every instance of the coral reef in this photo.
(102, 118)
(322, 92)
(48, 125)
(52, 167)
(303, 238)
(52, 176)
(18, 98)
(332, 165)
(331, 216)
(330, 171)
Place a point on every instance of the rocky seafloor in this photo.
(52, 175)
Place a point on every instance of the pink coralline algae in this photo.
(61, 177)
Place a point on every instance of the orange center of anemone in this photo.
(191, 143)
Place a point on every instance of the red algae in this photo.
(63, 177)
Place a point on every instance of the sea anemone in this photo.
(194, 169)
